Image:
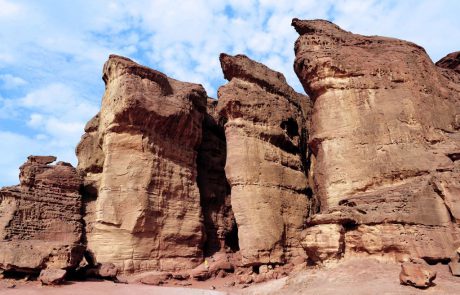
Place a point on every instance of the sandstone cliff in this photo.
(139, 155)
(385, 140)
(266, 131)
(261, 179)
(40, 219)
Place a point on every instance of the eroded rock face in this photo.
(385, 138)
(266, 132)
(450, 61)
(139, 159)
(41, 219)
(323, 242)
(417, 273)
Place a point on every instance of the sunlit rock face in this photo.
(266, 131)
(139, 159)
(385, 138)
(41, 222)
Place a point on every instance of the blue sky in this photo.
(52, 52)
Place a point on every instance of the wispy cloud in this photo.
(9, 81)
(52, 52)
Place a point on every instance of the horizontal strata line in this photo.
(299, 191)
(354, 222)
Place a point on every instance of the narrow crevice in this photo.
(220, 228)
(231, 238)
(305, 158)
(434, 261)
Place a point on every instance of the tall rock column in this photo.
(266, 129)
(385, 136)
(139, 154)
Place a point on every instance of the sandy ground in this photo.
(103, 288)
(357, 277)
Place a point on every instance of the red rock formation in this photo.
(40, 219)
(266, 126)
(385, 139)
(450, 61)
(139, 154)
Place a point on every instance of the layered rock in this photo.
(385, 140)
(139, 160)
(219, 222)
(266, 132)
(450, 61)
(323, 242)
(449, 66)
(41, 218)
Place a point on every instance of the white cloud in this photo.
(35, 121)
(58, 112)
(56, 115)
(9, 81)
(7, 108)
(431, 24)
(8, 9)
(15, 148)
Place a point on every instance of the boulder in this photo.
(138, 157)
(201, 272)
(454, 263)
(417, 273)
(323, 242)
(155, 279)
(266, 125)
(108, 271)
(454, 267)
(41, 219)
(52, 276)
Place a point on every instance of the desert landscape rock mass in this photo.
(259, 182)
(41, 221)
(385, 141)
(266, 130)
(139, 156)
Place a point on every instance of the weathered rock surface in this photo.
(41, 219)
(323, 242)
(394, 118)
(53, 276)
(367, 166)
(219, 222)
(266, 132)
(155, 279)
(139, 155)
(213, 266)
(450, 61)
(385, 140)
(417, 274)
(454, 266)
